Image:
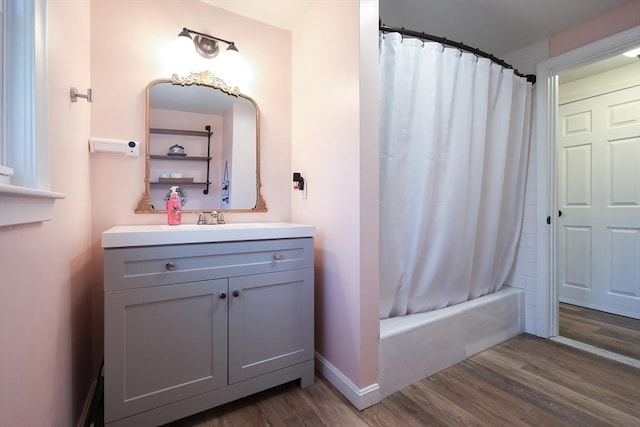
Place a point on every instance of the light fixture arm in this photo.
(206, 44)
(208, 36)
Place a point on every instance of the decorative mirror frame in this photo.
(204, 78)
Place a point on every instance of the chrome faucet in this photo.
(215, 218)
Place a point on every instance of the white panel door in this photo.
(599, 198)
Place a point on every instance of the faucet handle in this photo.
(201, 218)
(220, 218)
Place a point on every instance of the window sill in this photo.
(22, 205)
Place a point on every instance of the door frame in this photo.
(546, 97)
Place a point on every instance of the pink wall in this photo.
(606, 25)
(51, 273)
(334, 147)
(127, 42)
(128, 60)
(45, 280)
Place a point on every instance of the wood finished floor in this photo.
(525, 381)
(610, 332)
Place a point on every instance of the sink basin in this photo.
(203, 227)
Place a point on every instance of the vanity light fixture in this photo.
(206, 45)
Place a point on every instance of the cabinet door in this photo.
(270, 322)
(163, 344)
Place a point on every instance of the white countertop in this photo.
(123, 236)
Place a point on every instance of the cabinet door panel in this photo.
(163, 344)
(270, 322)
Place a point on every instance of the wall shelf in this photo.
(161, 157)
(179, 182)
(185, 132)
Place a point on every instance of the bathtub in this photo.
(415, 346)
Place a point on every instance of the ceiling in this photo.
(495, 26)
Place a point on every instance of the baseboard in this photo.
(361, 398)
(87, 405)
(93, 402)
(597, 351)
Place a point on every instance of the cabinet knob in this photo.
(222, 295)
(170, 266)
(277, 256)
(236, 293)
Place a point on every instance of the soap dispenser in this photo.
(174, 207)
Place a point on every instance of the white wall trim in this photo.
(87, 405)
(22, 205)
(602, 83)
(598, 351)
(361, 398)
(546, 102)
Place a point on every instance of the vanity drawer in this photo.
(127, 268)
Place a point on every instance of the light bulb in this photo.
(184, 56)
(183, 45)
(233, 69)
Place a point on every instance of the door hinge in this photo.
(549, 220)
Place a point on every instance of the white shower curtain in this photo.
(454, 144)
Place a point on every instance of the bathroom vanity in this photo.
(198, 316)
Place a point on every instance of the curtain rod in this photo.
(531, 78)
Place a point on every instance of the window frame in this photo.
(30, 200)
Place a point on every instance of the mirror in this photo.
(204, 137)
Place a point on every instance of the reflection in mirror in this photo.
(203, 137)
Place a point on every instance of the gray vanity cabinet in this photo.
(190, 327)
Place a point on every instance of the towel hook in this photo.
(75, 95)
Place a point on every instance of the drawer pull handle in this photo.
(277, 256)
(222, 295)
(170, 266)
(236, 293)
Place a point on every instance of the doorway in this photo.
(598, 238)
(598, 188)
(567, 248)
(598, 159)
